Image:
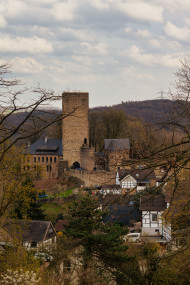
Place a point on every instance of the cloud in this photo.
(86, 60)
(175, 5)
(3, 22)
(99, 4)
(138, 32)
(98, 49)
(128, 30)
(32, 45)
(176, 32)
(75, 34)
(155, 43)
(26, 65)
(141, 10)
(64, 11)
(167, 60)
(143, 33)
(132, 72)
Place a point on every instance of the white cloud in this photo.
(81, 34)
(99, 49)
(128, 30)
(138, 33)
(85, 60)
(99, 4)
(141, 10)
(64, 11)
(26, 65)
(167, 60)
(132, 72)
(20, 44)
(155, 43)
(174, 45)
(175, 5)
(12, 9)
(143, 33)
(176, 32)
(3, 22)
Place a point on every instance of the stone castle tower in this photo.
(75, 131)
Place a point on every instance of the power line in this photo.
(161, 95)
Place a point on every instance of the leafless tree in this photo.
(36, 117)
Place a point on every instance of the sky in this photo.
(117, 50)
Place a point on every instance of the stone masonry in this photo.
(75, 131)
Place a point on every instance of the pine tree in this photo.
(103, 248)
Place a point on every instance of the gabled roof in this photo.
(116, 144)
(49, 146)
(34, 230)
(121, 209)
(140, 175)
(111, 199)
(153, 202)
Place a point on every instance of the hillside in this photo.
(149, 110)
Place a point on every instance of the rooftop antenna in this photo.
(162, 95)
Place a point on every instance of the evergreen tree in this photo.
(102, 245)
(26, 205)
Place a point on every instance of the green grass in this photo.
(61, 194)
(51, 210)
(67, 193)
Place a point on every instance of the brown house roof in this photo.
(153, 203)
(34, 230)
(139, 175)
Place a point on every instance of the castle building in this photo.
(72, 156)
(44, 158)
(75, 131)
(116, 153)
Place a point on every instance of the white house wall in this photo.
(149, 227)
(128, 182)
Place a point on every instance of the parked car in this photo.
(132, 237)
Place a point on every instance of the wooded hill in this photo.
(128, 119)
(148, 110)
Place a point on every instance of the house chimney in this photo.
(46, 139)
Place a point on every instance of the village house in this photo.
(110, 189)
(33, 234)
(152, 208)
(120, 209)
(135, 180)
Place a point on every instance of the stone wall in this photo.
(117, 159)
(87, 157)
(75, 126)
(92, 178)
(42, 166)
